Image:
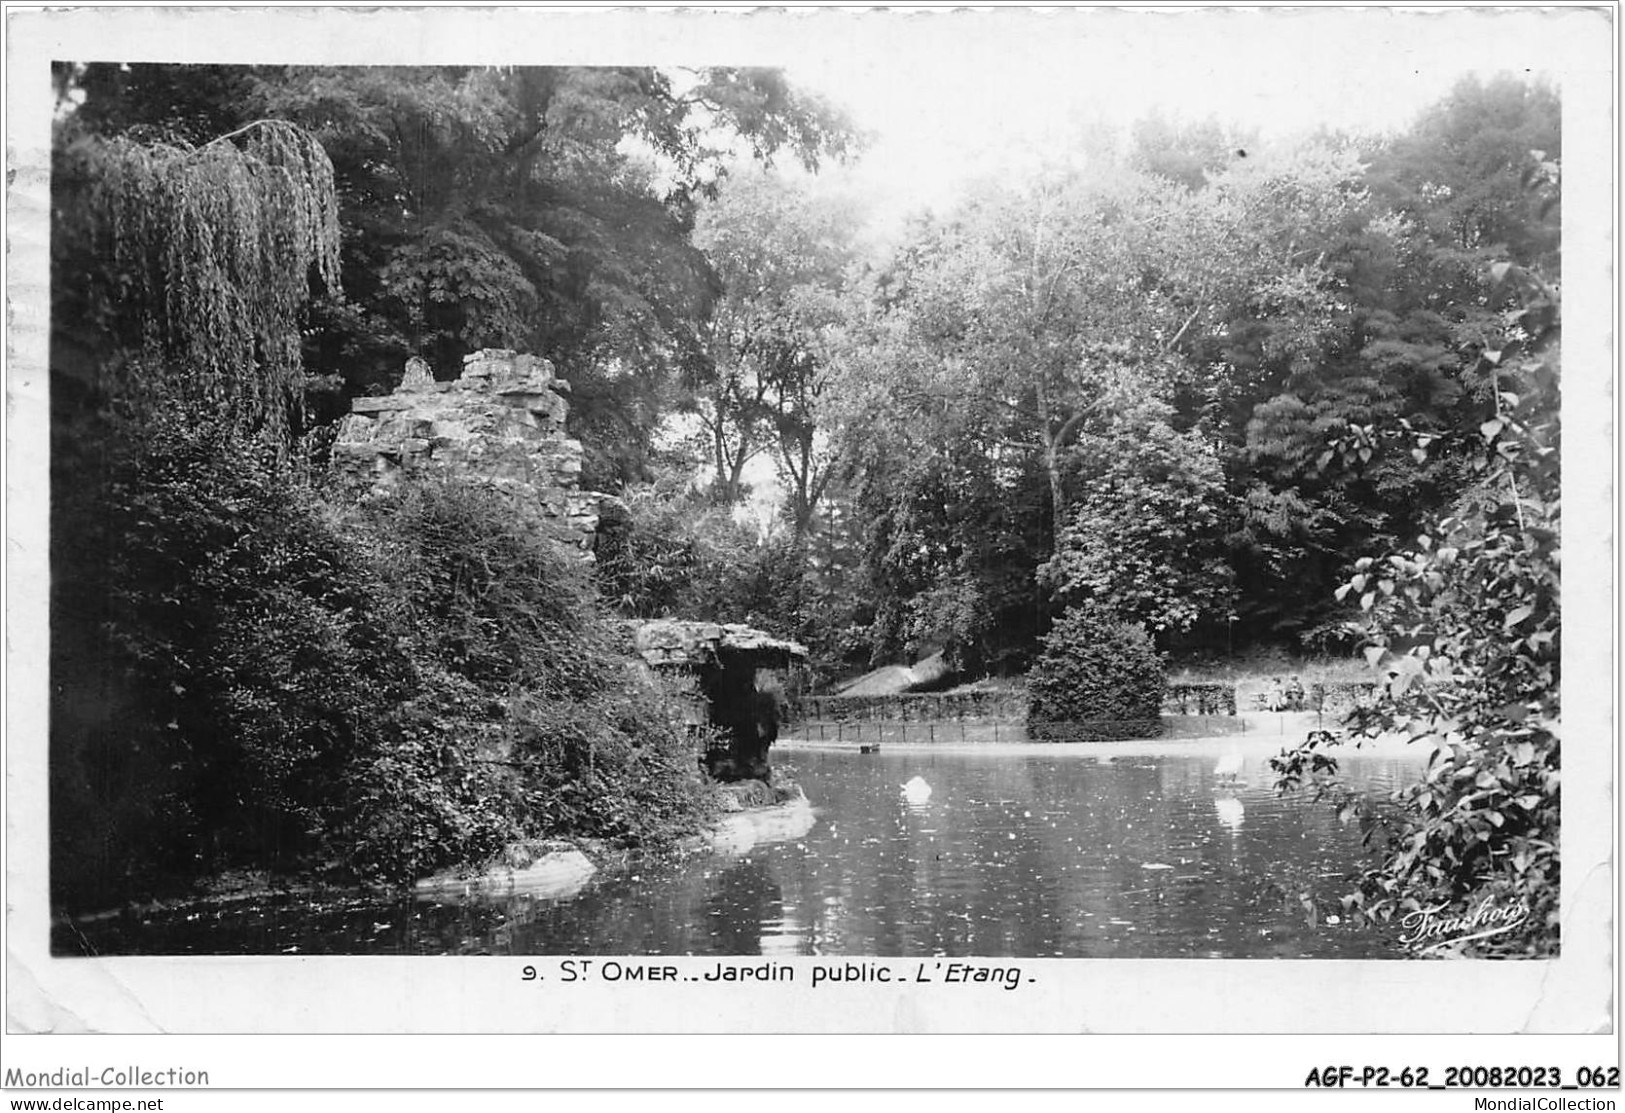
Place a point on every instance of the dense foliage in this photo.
(198, 261)
(253, 673)
(1465, 625)
(520, 675)
(1114, 383)
(1098, 678)
(682, 555)
(1153, 398)
(216, 654)
(546, 209)
(1131, 380)
(249, 670)
(1147, 541)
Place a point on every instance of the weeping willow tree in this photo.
(216, 248)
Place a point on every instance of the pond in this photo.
(1127, 850)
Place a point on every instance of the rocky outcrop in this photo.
(714, 670)
(501, 420)
(669, 642)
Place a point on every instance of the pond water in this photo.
(1135, 850)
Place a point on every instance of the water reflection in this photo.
(741, 903)
(1231, 812)
(1015, 853)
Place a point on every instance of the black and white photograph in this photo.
(871, 522)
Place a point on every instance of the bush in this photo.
(485, 587)
(246, 675)
(680, 556)
(1098, 679)
(218, 660)
(615, 767)
(532, 721)
(1465, 629)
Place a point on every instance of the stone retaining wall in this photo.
(1008, 705)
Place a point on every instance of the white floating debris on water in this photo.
(1155, 866)
(1230, 765)
(916, 791)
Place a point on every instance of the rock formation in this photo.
(714, 670)
(501, 421)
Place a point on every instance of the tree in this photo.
(248, 670)
(540, 208)
(1148, 540)
(1098, 679)
(1184, 152)
(199, 260)
(1270, 308)
(549, 209)
(1359, 321)
(781, 251)
(1465, 628)
(1020, 329)
(682, 556)
(1459, 172)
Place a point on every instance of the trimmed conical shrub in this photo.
(1099, 678)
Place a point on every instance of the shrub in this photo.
(485, 587)
(617, 766)
(1098, 679)
(680, 555)
(218, 658)
(540, 711)
(245, 674)
(1465, 630)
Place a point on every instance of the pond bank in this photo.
(559, 869)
